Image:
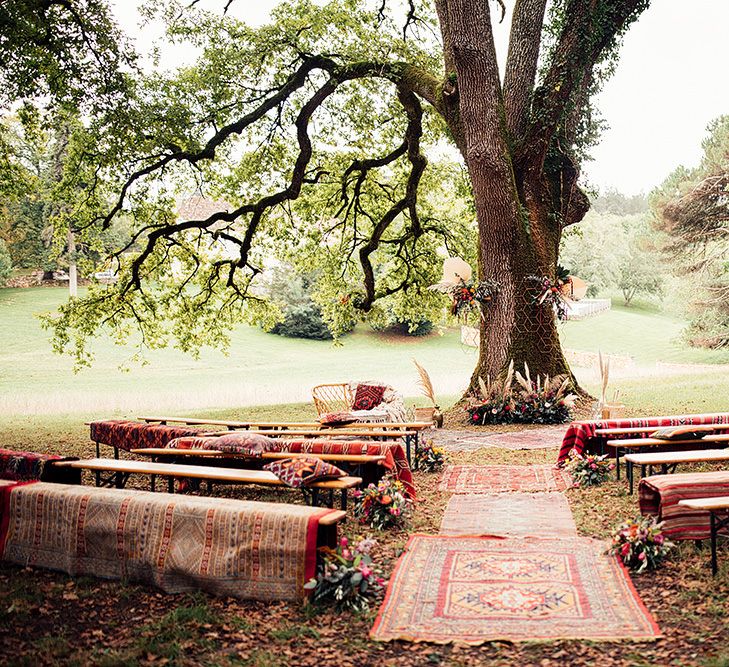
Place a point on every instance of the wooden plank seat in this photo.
(668, 461)
(620, 447)
(698, 428)
(240, 548)
(121, 470)
(366, 466)
(718, 509)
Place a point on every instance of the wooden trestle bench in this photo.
(120, 470)
(668, 461)
(718, 509)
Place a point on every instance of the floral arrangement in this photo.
(552, 292)
(346, 577)
(541, 401)
(590, 470)
(640, 543)
(466, 294)
(429, 457)
(383, 505)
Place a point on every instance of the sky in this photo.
(670, 83)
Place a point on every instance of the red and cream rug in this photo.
(477, 589)
(545, 515)
(499, 479)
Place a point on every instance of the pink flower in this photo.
(658, 539)
(625, 550)
(475, 417)
(366, 571)
(344, 542)
(593, 466)
(347, 554)
(641, 556)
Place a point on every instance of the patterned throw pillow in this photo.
(303, 471)
(678, 433)
(190, 442)
(368, 396)
(248, 444)
(337, 418)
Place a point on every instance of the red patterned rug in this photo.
(498, 479)
(475, 589)
(545, 515)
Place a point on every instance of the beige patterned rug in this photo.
(544, 515)
(499, 479)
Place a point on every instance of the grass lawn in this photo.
(49, 618)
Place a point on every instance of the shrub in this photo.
(590, 470)
(346, 577)
(383, 505)
(640, 543)
(6, 264)
(303, 321)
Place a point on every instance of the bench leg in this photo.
(170, 485)
(407, 451)
(315, 497)
(617, 463)
(116, 453)
(153, 482)
(712, 519)
(344, 500)
(98, 451)
(629, 473)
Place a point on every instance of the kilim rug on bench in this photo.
(472, 590)
(498, 479)
(544, 515)
(243, 549)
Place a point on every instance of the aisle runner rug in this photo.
(539, 438)
(544, 515)
(476, 589)
(497, 479)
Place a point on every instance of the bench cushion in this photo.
(303, 471)
(27, 466)
(659, 495)
(243, 549)
(246, 444)
(337, 418)
(681, 433)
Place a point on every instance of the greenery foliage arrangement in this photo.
(383, 505)
(470, 295)
(346, 577)
(589, 469)
(429, 457)
(518, 399)
(640, 543)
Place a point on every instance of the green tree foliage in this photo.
(692, 208)
(613, 251)
(6, 264)
(324, 130)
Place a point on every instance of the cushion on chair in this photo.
(303, 470)
(368, 396)
(190, 442)
(337, 418)
(677, 433)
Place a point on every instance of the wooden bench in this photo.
(708, 428)
(669, 460)
(360, 465)
(715, 507)
(121, 470)
(636, 444)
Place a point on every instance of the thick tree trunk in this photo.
(519, 232)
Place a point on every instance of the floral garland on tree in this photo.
(552, 292)
(467, 294)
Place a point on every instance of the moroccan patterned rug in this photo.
(243, 549)
(498, 479)
(549, 437)
(472, 590)
(545, 515)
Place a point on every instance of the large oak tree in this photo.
(315, 130)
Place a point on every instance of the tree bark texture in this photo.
(522, 199)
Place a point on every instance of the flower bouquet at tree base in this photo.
(383, 505)
(640, 543)
(429, 457)
(589, 470)
(346, 577)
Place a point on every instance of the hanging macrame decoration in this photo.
(467, 295)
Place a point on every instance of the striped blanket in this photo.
(243, 549)
(659, 495)
(580, 436)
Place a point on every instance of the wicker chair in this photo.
(332, 397)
